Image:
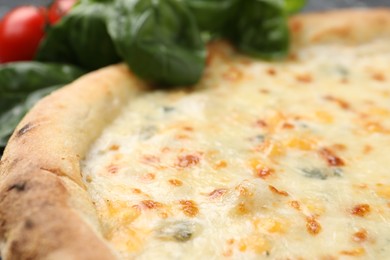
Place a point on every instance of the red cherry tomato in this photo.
(21, 30)
(58, 9)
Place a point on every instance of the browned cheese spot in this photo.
(360, 236)
(149, 177)
(217, 193)
(114, 147)
(181, 136)
(264, 172)
(150, 159)
(295, 204)
(279, 192)
(331, 158)
(287, 125)
(175, 182)
(220, 164)
(189, 208)
(344, 81)
(304, 78)
(242, 208)
(163, 215)
(136, 191)
(312, 226)
(243, 191)
(264, 91)
(188, 161)
(378, 76)
(339, 147)
(261, 123)
(230, 241)
(150, 204)
(367, 149)
(113, 169)
(292, 56)
(296, 26)
(271, 71)
(361, 210)
(233, 74)
(354, 252)
(338, 101)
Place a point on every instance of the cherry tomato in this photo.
(58, 9)
(21, 30)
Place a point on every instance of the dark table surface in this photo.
(311, 5)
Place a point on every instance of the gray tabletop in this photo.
(5, 5)
(329, 4)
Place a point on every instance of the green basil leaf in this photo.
(263, 31)
(10, 119)
(212, 15)
(81, 38)
(18, 79)
(293, 6)
(159, 40)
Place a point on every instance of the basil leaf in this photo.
(10, 119)
(18, 79)
(159, 40)
(212, 15)
(293, 6)
(81, 38)
(263, 31)
(24, 83)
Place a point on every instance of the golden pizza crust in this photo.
(45, 210)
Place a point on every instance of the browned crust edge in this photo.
(45, 211)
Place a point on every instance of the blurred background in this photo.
(329, 4)
(5, 5)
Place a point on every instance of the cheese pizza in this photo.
(259, 160)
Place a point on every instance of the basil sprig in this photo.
(22, 84)
(162, 40)
(81, 38)
(159, 40)
(263, 31)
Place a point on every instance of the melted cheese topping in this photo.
(260, 160)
